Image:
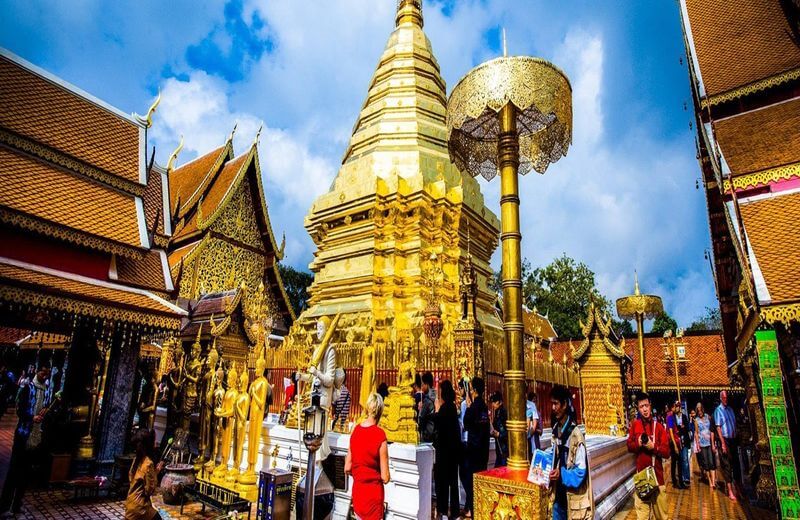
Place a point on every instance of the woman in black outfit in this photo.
(447, 442)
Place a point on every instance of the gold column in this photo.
(508, 160)
(512, 115)
(640, 336)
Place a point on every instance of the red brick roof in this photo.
(738, 42)
(147, 272)
(54, 115)
(188, 182)
(706, 366)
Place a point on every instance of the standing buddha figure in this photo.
(191, 377)
(259, 389)
(217, 397)
(225, 413)
(207, 405)
(367, 372)
(240, 411)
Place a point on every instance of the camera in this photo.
(644, 439)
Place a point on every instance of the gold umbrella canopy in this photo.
(646, 305)
(542, 96)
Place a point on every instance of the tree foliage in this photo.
(712, 320)
(296, 284)
(663, 323)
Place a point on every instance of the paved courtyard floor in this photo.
(698, 502)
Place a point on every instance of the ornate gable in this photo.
(237, 219)
(598, 328)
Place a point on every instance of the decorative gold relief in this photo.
(751, 88)
(751, 180)
(781, 313)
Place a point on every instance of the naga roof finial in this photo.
(171, 162)
(233, 131)
(258, 134)
(147, 120)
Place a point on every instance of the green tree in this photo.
(712, 320)
(622, 327)
(563, 289)
(296, 284)
(663, 323)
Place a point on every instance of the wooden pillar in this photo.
(116, 415)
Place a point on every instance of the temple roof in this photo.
(740, 42)
(46, 109)
(23, 283)
(189, 182)
(761, 139)
(150, 272)
(706, 366)
(771, 226)
(537, 325)
(42, 197)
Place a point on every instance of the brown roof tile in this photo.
(738, 42)
(37, 189)
(214, 195)
(145, 272)
(60, 118)
(11, 335)
(706, 364)
(771, 227)
(188, 182)
(761, 139)
(153, 199)
(46, 282)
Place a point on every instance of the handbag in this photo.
(645, 482)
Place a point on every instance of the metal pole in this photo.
(508, 160)
(640, 330)
(677, 378)
(308, 501)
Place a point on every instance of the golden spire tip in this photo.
(636, 283)
(505, 47)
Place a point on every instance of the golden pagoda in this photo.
(397, 211)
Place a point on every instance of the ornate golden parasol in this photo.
(639, 307)
(511, 114)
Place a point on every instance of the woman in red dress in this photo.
(368, 462)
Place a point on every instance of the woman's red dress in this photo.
(365, 445)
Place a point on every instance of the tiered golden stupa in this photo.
(397, 211)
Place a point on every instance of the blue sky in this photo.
(623, 199)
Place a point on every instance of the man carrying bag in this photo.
(648, 440)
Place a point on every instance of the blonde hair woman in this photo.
(368, 462)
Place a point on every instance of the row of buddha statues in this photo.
(231, 408)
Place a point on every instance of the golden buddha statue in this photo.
(241, 408)
(259, 389)
(225, 414)
(191, 377)
(207, 404)
(217, 396)
(399, 422)
(368, 370)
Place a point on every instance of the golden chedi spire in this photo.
(396, 200)
(409, 11)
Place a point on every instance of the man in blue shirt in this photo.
(534, 424)
(570, 485)
(725, 419)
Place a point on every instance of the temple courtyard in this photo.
(57, 503)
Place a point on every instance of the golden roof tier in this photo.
(397, 205)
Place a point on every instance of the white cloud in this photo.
(618, 202)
